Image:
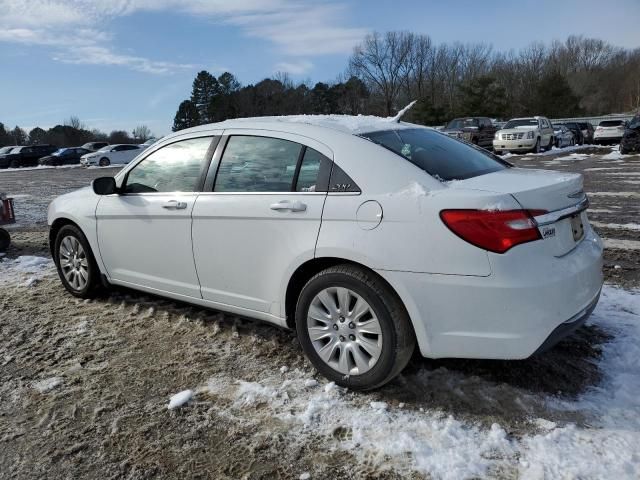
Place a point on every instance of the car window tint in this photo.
(437, 154)
(174, 168)
(257, 164)
(309, 170)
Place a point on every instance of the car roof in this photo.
(350, 124)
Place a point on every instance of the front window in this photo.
(522, 122)
(437, 154)
(174, 168)
(459, 123)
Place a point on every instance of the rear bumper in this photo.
(510, 314)
(567, 328)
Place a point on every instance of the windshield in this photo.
(463, 123)
(105, 149)
(16, 150)
(60, 151)
(6, 149)
(521, 122)
(439, 155)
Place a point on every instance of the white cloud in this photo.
(296, 67)
(296, 28)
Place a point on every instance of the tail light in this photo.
(496, 231)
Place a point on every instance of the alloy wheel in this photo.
(74, 263)
(344, 331)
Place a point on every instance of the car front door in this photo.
(144, 232)
(260, 218)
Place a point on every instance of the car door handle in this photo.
(175, 205)
(287, 206)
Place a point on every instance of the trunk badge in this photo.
(577, 194)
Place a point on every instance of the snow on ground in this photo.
(617, 226)
(621, 244)
(25, 270)
(574, 156)
(605, 444)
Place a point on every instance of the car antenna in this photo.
(401, 113)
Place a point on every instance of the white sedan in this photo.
(117, 154)
(365, 235)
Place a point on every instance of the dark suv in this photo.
(477, 130)
(631, 140)
(25, 156)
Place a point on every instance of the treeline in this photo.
(71, 133)
(580, 76)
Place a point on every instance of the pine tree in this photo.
(186, 116)
(205, 89)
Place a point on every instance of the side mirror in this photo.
(104, 186)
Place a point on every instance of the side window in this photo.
(257, 164)
(174, 168)
(313, 173)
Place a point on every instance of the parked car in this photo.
(373, 249)
(609, 131)
(7, 149)
(563, 136)
(531, 134)
(631, 140)
(25, 156)
(587, 131)
(64, 156)
(477, 130)
(94, 146)
(576, 130)
(118, 154)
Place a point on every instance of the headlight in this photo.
(497, 136)
(530, 134)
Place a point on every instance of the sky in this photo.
(117, 64)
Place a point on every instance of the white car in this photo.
(530, 134)
(609, 131)
(117, 154)
(364, 235)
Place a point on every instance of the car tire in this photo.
(536, 148)
(5, 240)
(104, 162)
(75, 262)
(14, 164)
(386, 330)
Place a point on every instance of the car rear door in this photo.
(258, 217)
(144, 233)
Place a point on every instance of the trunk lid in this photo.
(540, 190)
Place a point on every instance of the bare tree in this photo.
(74, 122)
(142, 133)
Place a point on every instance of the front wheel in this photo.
(75, 263)
(536, 148)
(353, 328)
(104, 162)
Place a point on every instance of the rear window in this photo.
(611, 123)
(521, 122)
(437, 154)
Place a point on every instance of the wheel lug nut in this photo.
(352, 338)
(352, 325)
(341, 338)
(341, 319)
(335, 327)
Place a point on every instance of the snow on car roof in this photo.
(353, 124)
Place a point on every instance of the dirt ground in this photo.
(84, 385)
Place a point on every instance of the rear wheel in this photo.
(104, 162)
(353, 328)
(5, 240)
(75, 262)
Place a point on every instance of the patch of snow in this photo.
(253, 393)
(573, 156)
(48, 384)
(413, 189)
(312, 382)
(25, 270)
(619, 244)
(179, 399)
(617, 226)
(305, 476)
